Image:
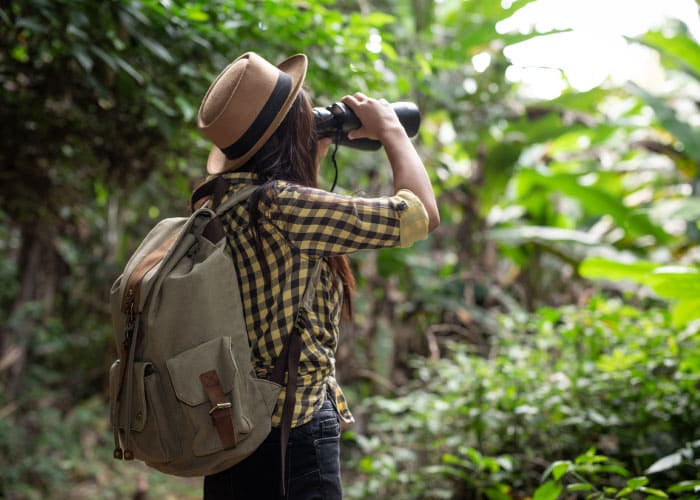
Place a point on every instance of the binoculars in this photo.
(337, 120)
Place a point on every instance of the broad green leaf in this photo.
(665, 463)
(548, 491)
(624, 492)
(106, 58)
(599, 202)
(542, 234)
(76, 32)
(688, 135)
(681, 48)
(514, 38)
(579, 487)
(480, 36)
(684, 486)
(83, 59)
(560, 468)
(129, 69)
(670, 285)
(636, 482)
(32, 24)
(196, 13)
(517, 5)
(655, 493)
(589, 457)
(600, 268)
(582, 139)
(156, 49)
(475, 456)
(586, 102)
(498, 170)
(378, 19)
(496, 493)
(685, 311)
(133, 10)
(531, 131)
(614, 469)
(449, 458)
(188, 111)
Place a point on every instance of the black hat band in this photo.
(264, 119)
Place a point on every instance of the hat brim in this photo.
(294, 66)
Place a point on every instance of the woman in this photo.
(261, 123)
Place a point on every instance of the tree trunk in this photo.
(40, 270)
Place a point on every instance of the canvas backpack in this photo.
(184, 397)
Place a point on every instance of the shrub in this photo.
(552, 385)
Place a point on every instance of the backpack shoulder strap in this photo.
(288, 362)
(239, 196)
(212, 192)
(211, 189)
(214, 189)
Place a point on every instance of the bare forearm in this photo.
(379, 121)
(409, 172)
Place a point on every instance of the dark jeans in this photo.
(312, 469)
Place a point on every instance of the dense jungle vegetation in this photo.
(544, 343)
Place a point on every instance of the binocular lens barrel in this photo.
(338, 119)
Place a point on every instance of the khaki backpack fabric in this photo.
(184, 397)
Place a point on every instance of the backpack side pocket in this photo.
(149, 425)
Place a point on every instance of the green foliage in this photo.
(678, 284)
(98, 111)
(685, 134)
(602, 478)
(605, 376)
(99, 140)
(66, 453)
(680, 49)
(583, 184)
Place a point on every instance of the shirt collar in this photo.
(240, 176)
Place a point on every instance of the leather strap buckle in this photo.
(219, 406)
(222, 420)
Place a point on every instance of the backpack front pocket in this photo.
(186, 371)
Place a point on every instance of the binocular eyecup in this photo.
(337, 120)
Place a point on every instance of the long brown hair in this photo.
(291, 155)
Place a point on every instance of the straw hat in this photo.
(245, 105)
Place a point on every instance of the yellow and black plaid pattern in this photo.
(298, 226)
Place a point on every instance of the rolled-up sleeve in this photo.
(323, 224)
(413, 220)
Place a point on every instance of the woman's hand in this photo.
(379, 121)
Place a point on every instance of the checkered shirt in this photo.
(299, 226)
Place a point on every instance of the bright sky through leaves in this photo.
(595, 49)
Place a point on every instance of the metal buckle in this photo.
(220, 406)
